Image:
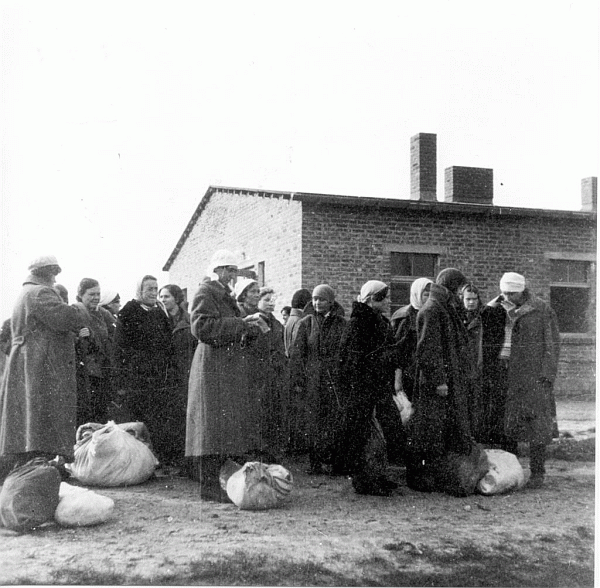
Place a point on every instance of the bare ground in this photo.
(163, 533)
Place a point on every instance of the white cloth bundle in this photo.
(504, 475)
(258, 486)
(80, 507)
(112, 455)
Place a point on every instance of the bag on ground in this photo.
(258, 486)
(29, 495)
(80, 507)
(505, 473)
(461, 473)
(113, 455)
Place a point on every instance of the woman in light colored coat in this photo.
(38, 398)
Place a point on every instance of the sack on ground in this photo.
(258, 486)
(505, 473)
(80, 507)
(462, 472)
(29, 495)
(112, 455)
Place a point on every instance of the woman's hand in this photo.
(85, 332)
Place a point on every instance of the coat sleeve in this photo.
(551, 345)
(210, 326)
(430, 352)
(299, 354)
(49, 309)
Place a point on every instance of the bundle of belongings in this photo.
(33, 495)
(255, 485)
(505, 473)
(113, 455)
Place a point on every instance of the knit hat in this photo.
(451, 278)
(324, 291)
(44, 261)
(241, 286)
(512, 282)
(369, 289)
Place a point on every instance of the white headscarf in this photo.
(416, 291)
(512, 282)
(369, 289)
(107, 297)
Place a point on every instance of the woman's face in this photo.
(167, 299)
(470, 300)
(115, 306)
(91, 297)
(424, 296)
(382, 306)
(266, 304)
(149, 292)
(252, 295)
(321, 305)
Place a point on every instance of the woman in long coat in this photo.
(369, 356)
(314, 366)
(38, 398)
(219, 424)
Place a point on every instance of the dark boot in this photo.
(537, 464)
(205, 469)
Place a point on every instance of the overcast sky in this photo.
(117, 116)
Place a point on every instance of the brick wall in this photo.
(577, 368)
(259, 228)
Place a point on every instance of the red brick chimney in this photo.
(471, 185)
(589, 193)
(423, 167)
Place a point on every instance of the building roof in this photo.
(437, 207)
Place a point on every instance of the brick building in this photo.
(292, 240)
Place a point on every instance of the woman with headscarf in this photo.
(219, 421)
(144, 350)
(369, 356)
(38, 397)
(111, 301)
(404, 325)
(314, 366)
(440, 423)
(183, 346)
(95, 367)
(299, 301)
(247, 293)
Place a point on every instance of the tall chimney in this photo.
(589, 193)
(471, 185)
(423, 166)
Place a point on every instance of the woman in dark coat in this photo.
(369, 356)
(95, 369)
(143, 345)
(219, 422)
(38, 397)
(314, 365)
(183, 346)
(404, 325)
(440, 423)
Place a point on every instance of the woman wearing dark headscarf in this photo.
(38, 397)
(404, 325)
(314, 365)
(369, 357)
(143, 341)
(440, 423)
(299, 301)
(95, 368)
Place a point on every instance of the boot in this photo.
(537, 461)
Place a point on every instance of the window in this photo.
(405, 268)
(570, 294)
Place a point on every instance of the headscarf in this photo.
(452, 279)
(301, 298)
(107, 297)
(369, 290)
(324, 291)
(140, 284)
(416, 292)
(512, 282)
(241, 286)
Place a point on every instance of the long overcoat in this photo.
(219, 421)
(441, 424)
(38, 398)
(314, 363)
(532, 368)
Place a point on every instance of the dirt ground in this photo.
(163, 533)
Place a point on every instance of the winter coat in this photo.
(219, 421)
(38, 398)
(441, 424)
(532, 368)
(314, 370)
(474, 328)
(404, 324)
(291, 329)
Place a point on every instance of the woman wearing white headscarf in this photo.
(143, 346)
(404, 324)
(369, 357)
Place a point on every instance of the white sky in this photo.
(117, 116)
